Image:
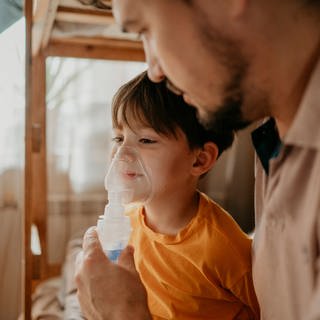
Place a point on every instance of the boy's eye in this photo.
(146, 141)
(117, 139)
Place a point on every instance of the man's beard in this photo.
(227, 117)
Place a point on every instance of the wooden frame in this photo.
(40, 44)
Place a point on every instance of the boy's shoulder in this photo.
(220, 223)
(223, 236)
(213, 211)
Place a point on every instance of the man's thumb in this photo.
(91, 245)
(126, 259)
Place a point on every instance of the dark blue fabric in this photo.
(267, 142)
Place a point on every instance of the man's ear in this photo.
(205, 158)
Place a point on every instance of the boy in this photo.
(192, 257)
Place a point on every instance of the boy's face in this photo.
(167, 160)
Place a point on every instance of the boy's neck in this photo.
(171, 215)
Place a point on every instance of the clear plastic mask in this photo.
(127, 181)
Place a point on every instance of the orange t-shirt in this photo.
(203, 272)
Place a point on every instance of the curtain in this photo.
(79, 94)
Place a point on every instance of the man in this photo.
(238, 61)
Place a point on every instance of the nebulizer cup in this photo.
(127, 182)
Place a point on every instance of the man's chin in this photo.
(224, 119)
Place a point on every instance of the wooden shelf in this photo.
(42, 42)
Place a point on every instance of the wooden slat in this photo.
(50, 21)
(85, 18)
(27, 218)
(96, 48)
(77, 5)
(69, 7)
(38, 156)
(43, 20)
(35, 174)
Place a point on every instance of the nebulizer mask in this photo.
(127, 182)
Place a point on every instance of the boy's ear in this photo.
(205, 158)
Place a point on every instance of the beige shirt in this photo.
(286, 247)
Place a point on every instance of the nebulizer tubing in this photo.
(127, 182)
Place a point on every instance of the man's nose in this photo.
(155, 72)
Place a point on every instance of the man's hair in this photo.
(154, 105)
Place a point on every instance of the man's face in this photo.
(199, 59)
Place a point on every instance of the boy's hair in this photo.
(155, 106)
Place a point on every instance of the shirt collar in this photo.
(305, 129)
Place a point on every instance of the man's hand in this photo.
(107, 290)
